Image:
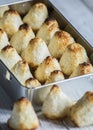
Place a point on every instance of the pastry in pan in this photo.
(81, 113)
(74, 55)
(44, 70)
(82, 69)
(35, 52)
(42, 93)
(11, 21)
(21, 71)
(3, 39)
(36, 16)
(48, 29)
(59, 42)
(22, 37)
(56, 104)
(9, 56)
(23, 116)
(32, 83)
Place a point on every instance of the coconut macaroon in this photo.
(59, 42)
(21, 38)
(74, 55)
(32, 83)
(56, 104)
(21, 71)
(11, 22)
(36, 16)
(44, 70)
(35, 52)
(47, 30)
(82, 69)
(21, 8)
(3, 39)
(81, 113)
(23, 116)
(2, 10)
(9, 56)
(42, 93)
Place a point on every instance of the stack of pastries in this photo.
(37, 52)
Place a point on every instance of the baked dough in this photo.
(11, 22)
(22, 37)
(21, 71)
(35, 52)
(23, 116)
(36, 16)
(3, 39)
(9, 56)
(74, 55)
(42, 93)
(48, 29)
(82, 69)
(32, 83)
(44, 70)
(81, 113)
(59, 42)
(56, 104)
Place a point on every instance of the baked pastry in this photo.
(3, 39)
(23, 116)
(42, 93)
(21, 38)
(21, 71)
(44, 70)
(84, 68)
(47, 30)
(56, 104)
(3, 9)
(74, 55)
(32, 82)
(81, 112)
(59, 42)
(36, 16)
(35, 52)
(11, 22)
(9, 56)
(22, 8)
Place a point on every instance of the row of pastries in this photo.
(31, 52)
(57, 105)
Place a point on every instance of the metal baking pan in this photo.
(12, 86)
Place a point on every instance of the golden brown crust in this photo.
(55, 88)
(49, 20)
(85, 67)
(11, 12)
(56, 72)
(39, 5)
(75, 48)
(1, 31)
(24, 26)
(23, 100)
(48, 60)
(89, 96)
(7, 48)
